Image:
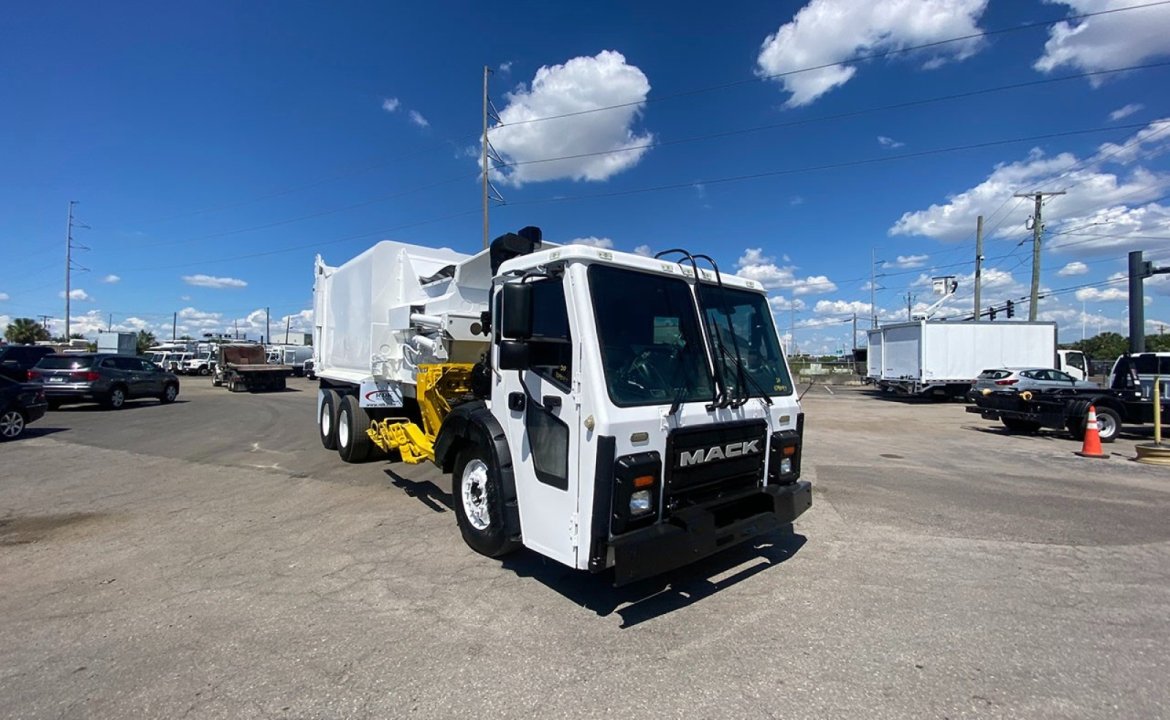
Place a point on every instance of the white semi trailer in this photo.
(601, 408)
(942, 358)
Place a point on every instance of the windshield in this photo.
(651, 345)
(754, 335)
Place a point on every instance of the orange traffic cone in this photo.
(1091, 448)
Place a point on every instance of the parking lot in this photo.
(209, 559)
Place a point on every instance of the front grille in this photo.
(712, 461)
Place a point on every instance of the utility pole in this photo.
(873, 285)
(110, 323)
(68, 263)
(45, 322)
(486, 71)
(909, 307)
(267, 328)
(978, 263)
(237, 332)
(1037, 235)
(174, 326)
(287, 324)
(792, 326)
(855, 334)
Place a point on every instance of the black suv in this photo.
(17, 360)
(108, 379)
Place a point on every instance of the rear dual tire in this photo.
(353, 442)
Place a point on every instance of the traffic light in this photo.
(991, 313)
(1011, 309)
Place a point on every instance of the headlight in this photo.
(640, 502)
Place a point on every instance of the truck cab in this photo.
(1073, 362)
(604, 409)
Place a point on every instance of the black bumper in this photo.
(696, 532)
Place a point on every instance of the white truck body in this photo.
(564, 433)
(122, 343)
(943, 358)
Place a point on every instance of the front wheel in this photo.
(12, 424)
(203, 370)
(479, 503)
(1108, 424)
(169, 394)
(116, 398)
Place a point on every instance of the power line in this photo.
(823, 66)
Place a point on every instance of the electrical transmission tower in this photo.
(69, 268)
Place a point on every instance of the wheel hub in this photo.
(474, 494)
(11, 424)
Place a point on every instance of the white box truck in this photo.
(122, 343)
(941, 359)
(604, 409)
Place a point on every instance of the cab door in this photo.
(541, 419)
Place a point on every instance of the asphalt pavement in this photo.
(210, 559)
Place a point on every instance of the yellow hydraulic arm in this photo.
(437, 385)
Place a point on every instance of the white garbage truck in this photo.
(604, 409)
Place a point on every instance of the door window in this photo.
(127, 364)
(108, 363)
(551, 346)
(1076, 360)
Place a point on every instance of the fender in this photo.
(474, 422)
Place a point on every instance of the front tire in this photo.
(116, 398)
(12, 424)
(1108, 424)
(479, 503)
(327, 419)
(169, 394)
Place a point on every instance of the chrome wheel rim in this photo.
(11, 424)
(117, 397)
(326, 421)
(343, 430)
(1105, 426)
(474, 493)
(172, 393)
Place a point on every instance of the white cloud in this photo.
(1124, 112)
(210, 281)
(813, 285)
(795, 200)
(111, 279)
(3, 296)
(592, 241)
(417, 118)
(889, 142)
(506, 67)
(643, 250)
(77, 294)
(1089, 187)
(909, 262)
(1113, 229)
(185, 298)
(1073, 268)
(780, 303)
(836, 31)
(390, 104)
(1101, 294)
(842, 307)
(1105, 41)
(579, 85)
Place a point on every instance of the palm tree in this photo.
(25, 331)
(145, 340)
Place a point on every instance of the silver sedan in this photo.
(1034, 380)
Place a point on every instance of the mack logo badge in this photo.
(732, 450)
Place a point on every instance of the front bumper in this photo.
(696, 532)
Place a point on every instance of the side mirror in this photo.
(516, 309)
(513, 355)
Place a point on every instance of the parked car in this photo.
(20, 404)
(17, 360)
(1035, 380)
(199, 364)
(176, 361)
(108, 379)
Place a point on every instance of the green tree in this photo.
(145, 340)
(1158, 343)
(25, 331)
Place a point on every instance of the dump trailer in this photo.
(604, 409)
(937, 358)
(243, 367)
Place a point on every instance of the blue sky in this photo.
(215, 148)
